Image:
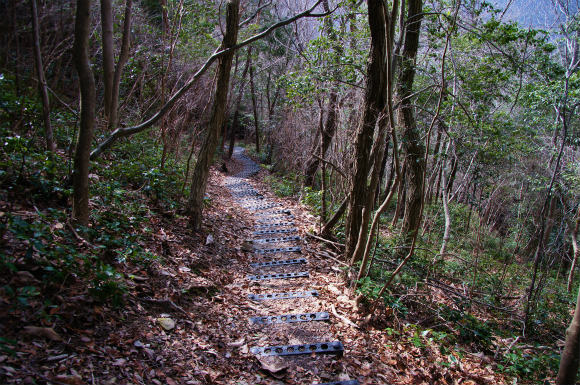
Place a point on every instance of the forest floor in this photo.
(185, 318)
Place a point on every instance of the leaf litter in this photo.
(201, 287)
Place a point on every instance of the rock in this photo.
(166, 323)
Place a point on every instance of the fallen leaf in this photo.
(166, 323)
(38, 331)
(274, 366)
(72, 380)
(237, 343)
(119, 362)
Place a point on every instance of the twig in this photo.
(167, 302)
(322, 254)
(77, 236)
(337, 244)
(343, 318)
(219, 52)
(335, 167)
(249, 19)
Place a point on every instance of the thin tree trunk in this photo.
(332, 117)
(236, 119)
(435, 166)
(374, 225)
(323, 187)
(123, 57)
(575, 251)
(411, 140)
(374, 102)
(88, 104)
(42, 88)
(445, 200)
(382, 174)
(570, 360)
(538, 255)
(207, 151)
(401, 194)
(108, 53)
(255, 109)
(327, 133)
(123, 132)
(335, 218)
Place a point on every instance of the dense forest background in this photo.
(436, 142)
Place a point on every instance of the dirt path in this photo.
(202, 282)
(292, 331)
(367, 356)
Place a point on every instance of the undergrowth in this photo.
(479, 315)
(40, 246)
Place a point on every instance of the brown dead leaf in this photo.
(238, 343)
(274, 366)
(38, 331)
(72, 380)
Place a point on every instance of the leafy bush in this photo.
(283, 186)
(471, 329)
(529, 366)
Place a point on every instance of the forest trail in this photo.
(292, 324)
(326, 315)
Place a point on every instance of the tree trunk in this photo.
(382, 174)
(571, 355)
(108, 53)
(575, 251)
(374, 102)
(42, 88)
(207, 151)
(445, 200)
(236, 119)
(435, 166)
(255, 109)
(325, 232)
(124, 132)
(401, 195)
(331, 119)
(411, 140)
(88, 104)
(322, 146)
(123, 57)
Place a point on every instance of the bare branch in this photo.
(124, 132)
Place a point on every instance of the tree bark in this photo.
(255, 109)
(335, 218)
(374, 102)
(236, 119)
(88, 104)
(42, 88)
(207, 151)
(575, 251)
(123, 57)
(108, 53)
(401, 195)
(322, 146)
(411, 139)
(568, 370)
(445, 200)
(331, 118)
